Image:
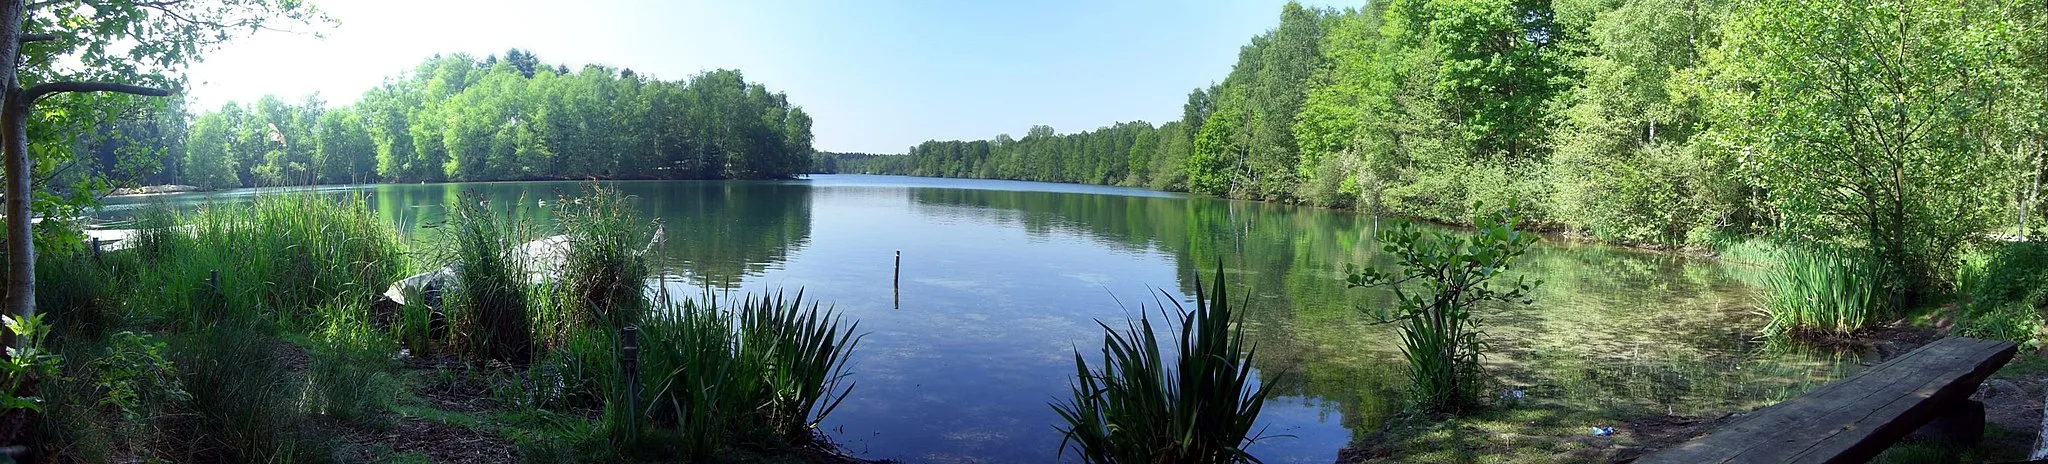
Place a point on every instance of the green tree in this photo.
(208, 162)
(344, 148)
(1861, 120)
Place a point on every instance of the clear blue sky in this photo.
(876, 76)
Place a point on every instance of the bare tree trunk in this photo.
(2027, 204)
(21, 259)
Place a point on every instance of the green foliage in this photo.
(1196, 404)
(1443, 281)
(137, 380)
(25, 366)
(1825, 291)
(489, 314)
(2008, 294)
(1893, 162)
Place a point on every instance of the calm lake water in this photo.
(1002, 281)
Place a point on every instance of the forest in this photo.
(458, 118)
(1670, 123)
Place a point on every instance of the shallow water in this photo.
(1002, 281)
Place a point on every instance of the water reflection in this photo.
(1003, 281)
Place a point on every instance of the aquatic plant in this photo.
(768, 367)
(1442, 336)
(489, 318)
(1196, 404)
(1821, 290)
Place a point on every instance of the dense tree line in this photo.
(456, 118)
(1903, 127)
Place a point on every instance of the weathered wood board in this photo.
(1854, 419)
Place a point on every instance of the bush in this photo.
(1441, 335)
(1821, 291)
(2005, 294)
(1198, 405)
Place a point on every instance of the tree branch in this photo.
(42, 90)
(26, 38)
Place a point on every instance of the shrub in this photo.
(1821, 291)
(489, 319)
(1441, 334)
(1197, 404)
(2005, 293)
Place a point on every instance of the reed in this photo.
(604, 271)
(1146, 405)
(1822, 291)
(489, 316)
(762, 371)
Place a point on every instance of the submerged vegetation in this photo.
(1197, 402)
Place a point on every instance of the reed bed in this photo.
(1822, 291)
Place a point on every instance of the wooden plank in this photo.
(1855, 419)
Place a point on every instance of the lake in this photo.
(1002, 281)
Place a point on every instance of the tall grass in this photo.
(286, 254)
(490, 318)
(1142, 406)
(604, 274)
(764, 371)
(1822, 291)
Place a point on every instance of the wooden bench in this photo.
(1855, 419)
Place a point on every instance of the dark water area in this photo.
(1002, 281)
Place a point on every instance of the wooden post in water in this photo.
(896, 286)
(630, 357)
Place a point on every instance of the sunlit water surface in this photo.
(1001, 283)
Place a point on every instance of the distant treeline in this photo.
(457, 118)
(826, 162)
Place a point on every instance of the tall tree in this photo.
(49, 49)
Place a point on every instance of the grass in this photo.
(1195, 404)
(604, 268)
(489, 315)
(1821, 291)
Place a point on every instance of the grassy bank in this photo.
(256, 332)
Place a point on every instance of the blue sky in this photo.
(877, 76)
